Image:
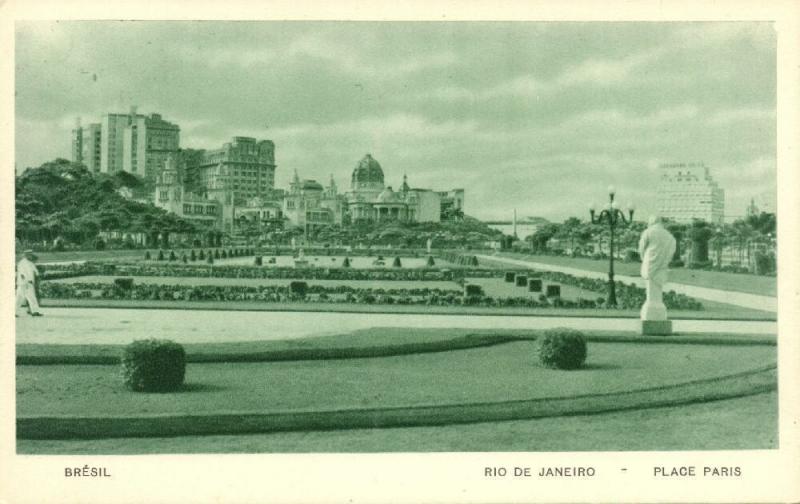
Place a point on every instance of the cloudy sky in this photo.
(541, 117)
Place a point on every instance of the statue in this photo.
(429, 243)
(656, 248)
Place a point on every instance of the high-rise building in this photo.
(242, 169)
(111, 141)
(147, 143)
(86, 145)
(686, 192)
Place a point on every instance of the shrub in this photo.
(430, 262)
(521, 280)
(147, 255)
(202, 255)
(562, 348)
(184, 258)
(224, 254)
(258, 261)
(99, 244)
(535, 284)
(124, 283)
(632, 256)
(510, 275)
(473, 290)
(160, 255)
(172, 256)
(153, 365)
(210, 259)
(553, 291)
(397, 263)
(298, 288)
(216, 254)
(346, 262)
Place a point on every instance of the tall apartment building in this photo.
(129, 142)
(86, 145)
(147, 143)
(686, 192)
(242, 169)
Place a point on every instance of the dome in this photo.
(368, 171)
(312, 185)
(387, 196)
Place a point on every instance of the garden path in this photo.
(123, 325)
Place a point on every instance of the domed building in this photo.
(369, 200)
(309, 205)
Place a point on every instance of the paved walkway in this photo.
(109, 325)
(754, 301)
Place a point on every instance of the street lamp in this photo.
(612, 216)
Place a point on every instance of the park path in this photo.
(754, 301)
(123, 325)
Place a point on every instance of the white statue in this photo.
(656, 248)
(430, 242)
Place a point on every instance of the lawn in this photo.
(751, 284)
(498, 373)
(744, 423)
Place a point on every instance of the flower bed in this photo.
(629, 296)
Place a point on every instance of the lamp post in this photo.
(612, 216)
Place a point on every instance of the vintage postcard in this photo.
(451, 253)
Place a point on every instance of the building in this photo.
(309, 205)
(131, 142)
(147, 142)
(686, 192)
(170, 195)
(369, 200)
(242, 169)
(86, 145)
(452, 204)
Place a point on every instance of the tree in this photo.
(699, 233)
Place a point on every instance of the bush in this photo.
(562, 348)
(216, 254)
(224, 254)
(258, 261)
(184, 258)
(397, 263)
(202, 255)
(210, 259)
(472, 290)
(430, 262)
(521, 280)
(160, 255)
(147, 255)
(510, 275)
(346, 262)
(172, 255)
(298, 288)
(153, 365)
(124, 283)
(535, 285)
(632, 256)
(99, 244)
(553, 291)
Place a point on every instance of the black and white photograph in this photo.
(524, 243)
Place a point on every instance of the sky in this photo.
(537, 116)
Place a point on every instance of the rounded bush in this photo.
(430, 262)
(153, 365)
(147, 255)
(562, 348)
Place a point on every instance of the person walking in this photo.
(27, 277)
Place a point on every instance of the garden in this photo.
(376, 378)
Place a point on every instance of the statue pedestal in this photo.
(654, 313)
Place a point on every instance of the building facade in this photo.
(147, 142)
(86, 145)
(686, 191)
(243, 168)
(309, 205)
(169, 194)
(370, 200)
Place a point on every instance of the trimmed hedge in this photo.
(153, 365)
(562, 348)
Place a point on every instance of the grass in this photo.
(751, 284)
(502, 372)
(735, 424)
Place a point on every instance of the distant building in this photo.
(452, 204)
(370, 200)
(171, 196)
(147, 142)
(243, 168)
(128, 142)
(686, 192)
(86, 145)
(309, 205)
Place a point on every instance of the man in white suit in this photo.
(27, 276)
